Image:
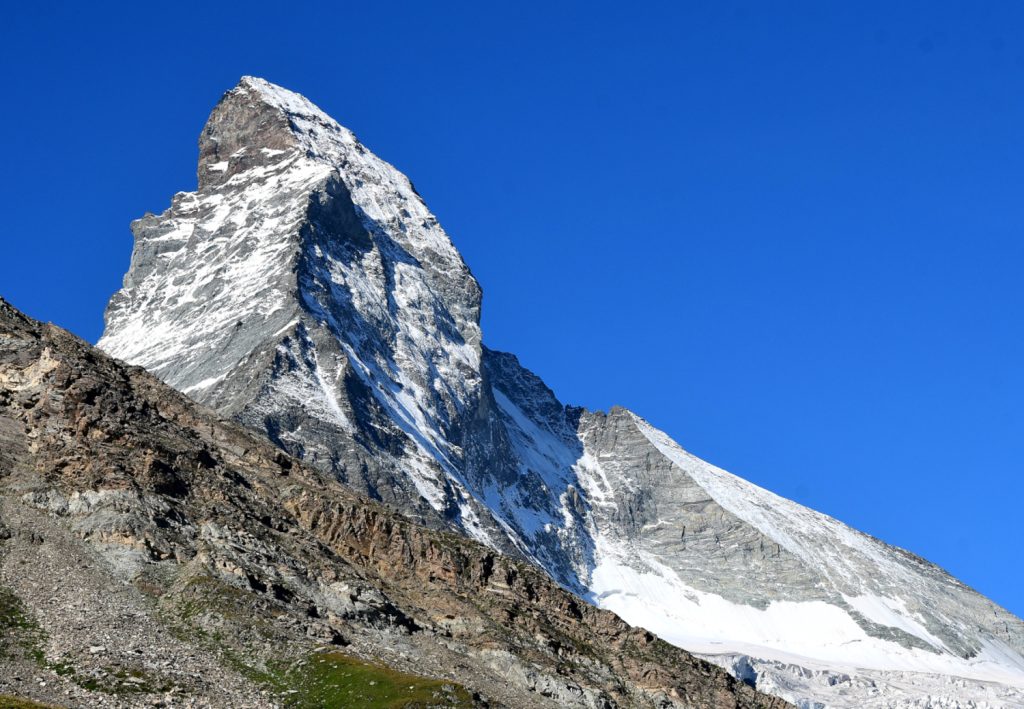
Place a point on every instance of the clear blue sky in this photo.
(790, 234)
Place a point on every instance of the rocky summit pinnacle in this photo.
(306, 290)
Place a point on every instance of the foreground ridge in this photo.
(149, 546)
(306, 291)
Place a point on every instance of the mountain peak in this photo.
(305, 257)
(306, 290)
(260, 124)
(280, 97)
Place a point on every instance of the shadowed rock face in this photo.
(306, 291)
(203, 558)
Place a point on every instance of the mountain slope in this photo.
(305, 290)
(149, 547)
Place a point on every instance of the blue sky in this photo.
(787, 233)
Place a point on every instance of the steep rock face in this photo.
(150, 548)
(305, 290)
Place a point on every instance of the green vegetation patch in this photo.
(12, 611)
(9, 702)
(20, 635)
(113, 680)
(335, 680)
(318, 681)
(206, 594)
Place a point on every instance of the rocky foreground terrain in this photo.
(155, 554)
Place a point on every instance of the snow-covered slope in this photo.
(306, 290)
(875, 625)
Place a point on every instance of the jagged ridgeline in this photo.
(153, 553)
(306, 291)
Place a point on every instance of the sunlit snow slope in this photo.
(306, 290)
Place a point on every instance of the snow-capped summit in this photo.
(306, 290)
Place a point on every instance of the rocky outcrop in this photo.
(153, 551)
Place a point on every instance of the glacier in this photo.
(306, 290)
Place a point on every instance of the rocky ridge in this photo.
(153, 553)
